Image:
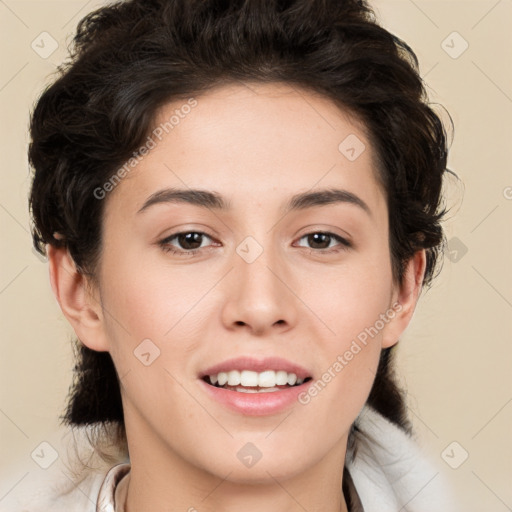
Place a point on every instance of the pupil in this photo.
(188, 239)
(316, 239)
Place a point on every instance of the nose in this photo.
(259, 296)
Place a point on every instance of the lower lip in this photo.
(256, 404)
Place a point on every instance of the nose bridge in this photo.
(256, 265)
(259, 297)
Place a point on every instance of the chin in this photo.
(245, 463)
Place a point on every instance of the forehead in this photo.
(259, 141)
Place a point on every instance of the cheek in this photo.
(350, 300)
(355, 308)
(353, 305)
(153, 332)
(147, 302)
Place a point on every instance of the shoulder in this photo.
(390, 470)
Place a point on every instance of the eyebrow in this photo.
(213, 200)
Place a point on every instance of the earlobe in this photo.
(77, 299)
(405, 299)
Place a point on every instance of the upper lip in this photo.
(257, 365)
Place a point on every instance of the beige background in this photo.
(456, 356)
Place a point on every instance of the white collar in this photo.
(390, 471)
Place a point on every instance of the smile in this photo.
(248, 381)
(255, 387)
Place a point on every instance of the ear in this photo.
(78, 299)
(404, 299)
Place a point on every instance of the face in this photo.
(275, 271)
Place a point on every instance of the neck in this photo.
(138, 495)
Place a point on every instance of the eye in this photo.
(184, 243)
(322, 242)
(189, 243)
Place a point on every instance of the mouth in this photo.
(250, 381)
(255, 387)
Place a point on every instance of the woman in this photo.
(240, 203)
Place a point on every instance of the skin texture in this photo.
(256, 146)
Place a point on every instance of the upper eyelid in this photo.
(167, 239)
(329, 233)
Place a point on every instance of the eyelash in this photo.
(166, 247)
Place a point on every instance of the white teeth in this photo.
(233, 378)
(248, 378)
(242, 379)
(281, 378)
(267, 379)
(241, 389)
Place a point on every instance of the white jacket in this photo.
(390, 473)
